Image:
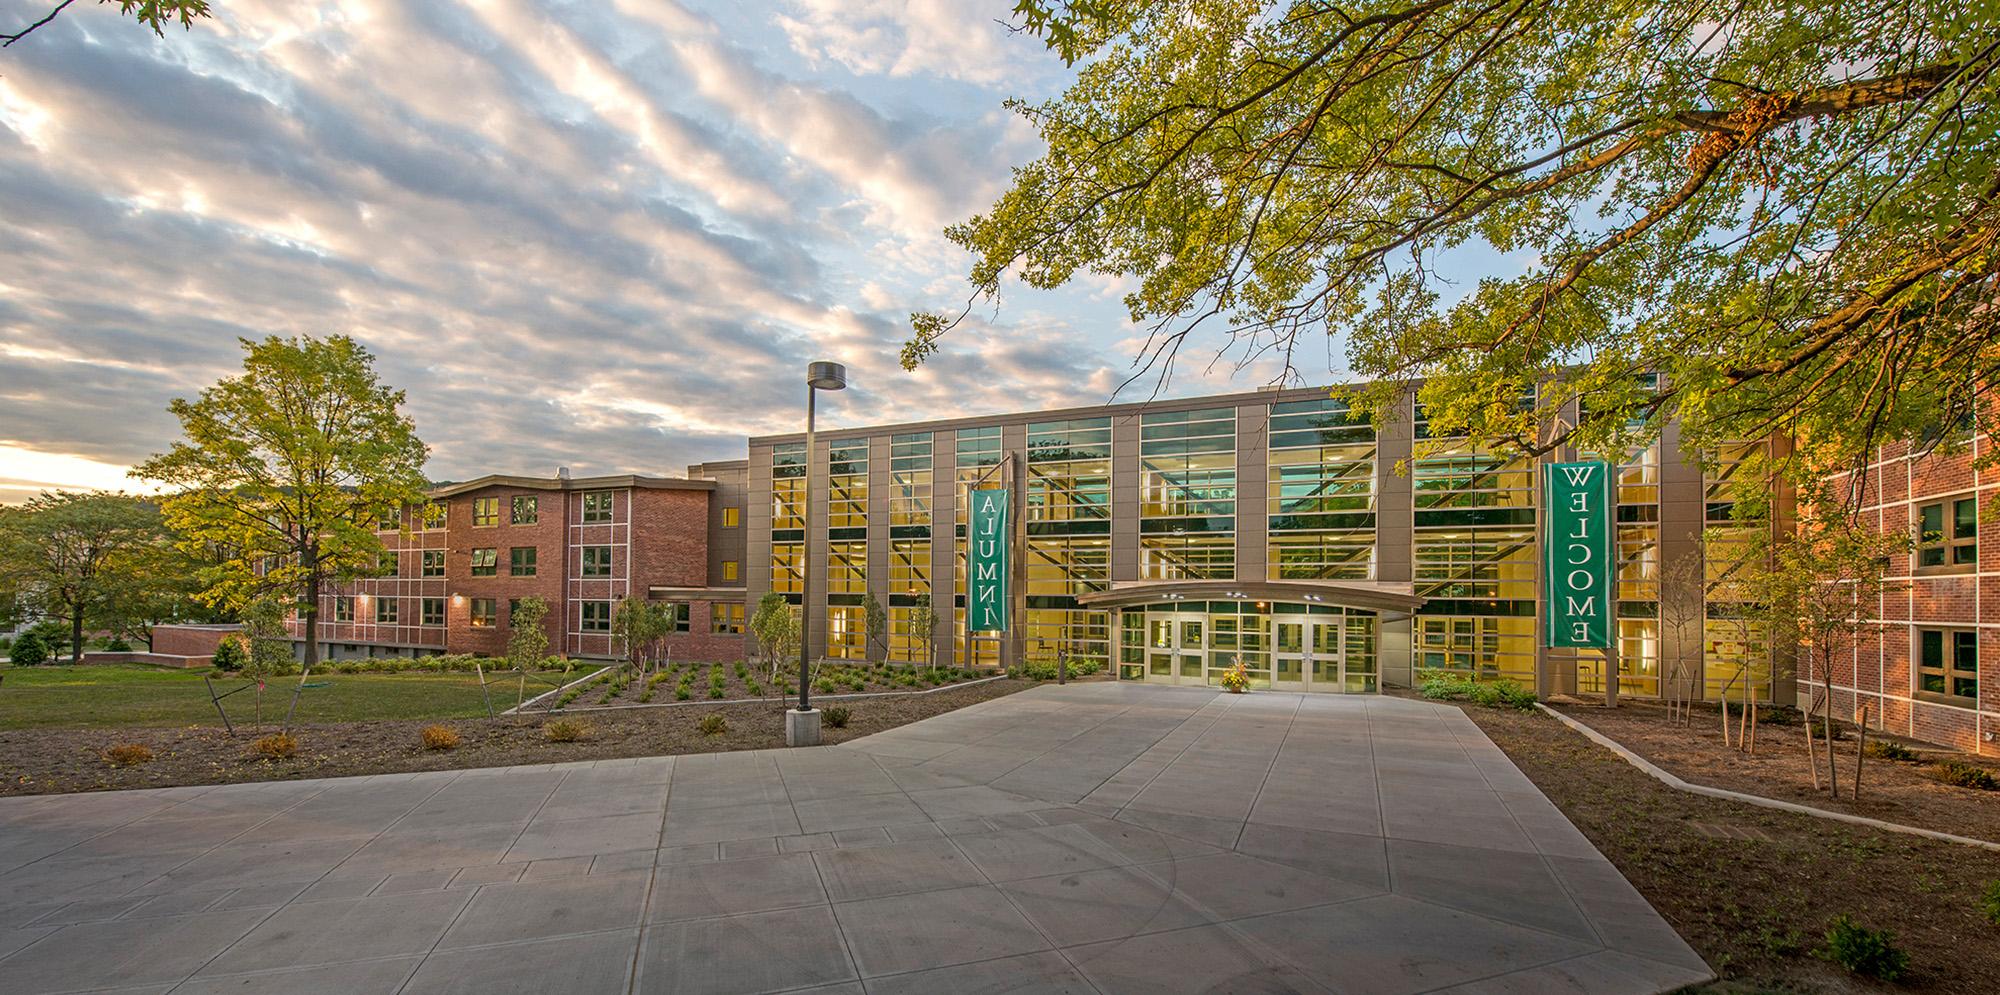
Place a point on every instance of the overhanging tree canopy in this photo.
(1788, 209)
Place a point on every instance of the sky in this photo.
(601, 234)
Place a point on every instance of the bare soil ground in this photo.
(42, 761)
(1891, 790)
(1755, 889)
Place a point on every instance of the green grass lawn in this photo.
(147, 696)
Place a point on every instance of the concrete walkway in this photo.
(1100, 837)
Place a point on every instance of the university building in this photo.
(455, 570)
(1173, 539)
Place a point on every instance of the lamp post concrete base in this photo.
(801, 728)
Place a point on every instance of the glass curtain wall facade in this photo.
(1321, 492)
(847, 549)
(1067, 515)
(1737, 649)
(1187, 495)
(910, 466)
(788, 523)
(1474, 557)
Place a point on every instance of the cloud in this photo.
(603, 237)
(948, 39)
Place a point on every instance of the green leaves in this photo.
(1791, 214)
(284, 470)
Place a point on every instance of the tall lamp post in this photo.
(802, 724)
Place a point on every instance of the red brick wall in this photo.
(188, 640)
(1879, 671)
(546, 536)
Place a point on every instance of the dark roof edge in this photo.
(574, 483)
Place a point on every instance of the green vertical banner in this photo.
(986, 590)
(1577, 564)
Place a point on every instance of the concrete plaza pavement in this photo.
(1104, 837)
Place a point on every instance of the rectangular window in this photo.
(597, 507)
(731, 517)
(391, 519)
(482, 613)
(513, 609)
(386, 610)
(725, 620)
(1948, 663)
(1948, 535)
(595, 616)
(433, 611)
(486, 562)
(596, 562)
(433, 563)
(433, 516)
(730, 570)
(485, 511)
(521, 561)
(526, 511)
(387, 566)
(343, 609)
(683, 613)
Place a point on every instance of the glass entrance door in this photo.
(1288, 653)
(1326, 663)
(1290, 647)
(1174, 647)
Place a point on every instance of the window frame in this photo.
(388, 611)
(532, 503)
(1951, 639)
(425, 613)
(343, 608)
(586, 568)
(485, 512)
(431, 564)
(732, 517)
(1956, 553)
(515, 564)
(725, 618)
(490, 614)
(732, 570)
(590, 514)
(485, 561)
(585, 622)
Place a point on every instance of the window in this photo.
(1948, 663)
(482, 613)
(343, 609)
(596, 562)
(433, 516)
(725, 620)
(682, 612)
(527, 510)
(1948, 535)
(485, 511)
(387, 566)
(433, 611)
(730, 570)
(513, 609)
(389, 520)
(597, 507)
(730, 518)
(433, 563)
(521, 561)
(595, 616)
(486, 562)
(386, 610)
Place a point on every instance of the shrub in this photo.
(1868, 952)
(116, 645)
(128, 754)
(229, 654)
(837, 716)
(439, 738)
(683, 692)
(565, 731)
(1989, 902)
(1887, 750)
(1445, 685)
(29, 650)
(276, 746)
(713, 725)
(1034, 670)
(1960, 774)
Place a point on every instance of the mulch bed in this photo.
(43, 761)
(1891, 790)
(742, 681)
(1754, 889)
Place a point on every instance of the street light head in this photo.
(823, 375)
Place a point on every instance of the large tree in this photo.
(91, 560)
(287, 469)
(1791, 210)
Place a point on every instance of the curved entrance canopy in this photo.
(1389, 600)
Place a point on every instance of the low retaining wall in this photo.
(152, 659)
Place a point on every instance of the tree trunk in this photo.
(314, 578)
(1832, 772)
(76, 633)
